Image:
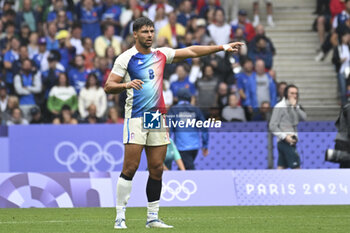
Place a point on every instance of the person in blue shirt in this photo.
(51, 42)
(244, 79)
(9, 58)
(188, 140)
(89, 18)
(111, 14)
(263, 87)
(57, 6)
(182, 82)
(77, 75)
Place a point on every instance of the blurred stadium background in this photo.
(64, 148)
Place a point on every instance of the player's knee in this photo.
(156, 171)
(130, 170)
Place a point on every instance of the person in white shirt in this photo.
(220, 30)
(92, 93)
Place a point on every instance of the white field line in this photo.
(175, 218)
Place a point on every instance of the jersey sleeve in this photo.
(120, 66)
(169, 54)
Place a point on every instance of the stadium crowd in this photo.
(333, 27)
(56, 56)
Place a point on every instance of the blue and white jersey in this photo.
(149, 68)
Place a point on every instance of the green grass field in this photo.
(274, 219)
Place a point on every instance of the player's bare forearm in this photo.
(114, 88)
(114, 84)
(203, 50)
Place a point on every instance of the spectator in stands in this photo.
(111, 14)
(222, 67)
(60, 95)
(338, 26)
(167, 94)
(281, 86)
(33, 47)
(7, 36)
(62, 22)
(196, 70)
(206, 88)
(17, 118)
(65, 117)
(78, 75)
(188, 141)
(51, 42)
(152, 9)
(10, 57)
(264, 113)
(136, 13)
(89, 16)
(36, 117)
(28, 15)
(243, 22)
(88, 53)
(244, 80)
(200, 34)
(220, 30)
(92, 118)
(104, 69)
(231, 8)
(50, 76)
(27, 84)
(323, 20)
(58, 6)
(172, 30)
(66, 50)
(110, 56)
(185, 13)
(222, 99)
(4, 97)
(233, 112)
(260, 32)
(107, 39)
(182, 81)
(113, 116)
(269, 10)
(161, 18)
(344, 70)
(210, 6)
(41, 57)
(24, 34)
(283, 124)
(261, 51)
(92, 93)
(76, 39)
(23, 54)
(263, 87)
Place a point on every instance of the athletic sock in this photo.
(123, 195)
(152, 210)
(153, 190)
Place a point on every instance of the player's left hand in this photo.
(233, 47)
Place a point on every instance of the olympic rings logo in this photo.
(174, 189)
(79, 154)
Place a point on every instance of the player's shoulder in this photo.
(126, 55)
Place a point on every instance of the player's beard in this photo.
(145, 44)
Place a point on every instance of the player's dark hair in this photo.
(140, 22)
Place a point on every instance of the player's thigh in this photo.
(134, 133)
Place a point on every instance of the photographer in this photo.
(283, 124)
(341, 154)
